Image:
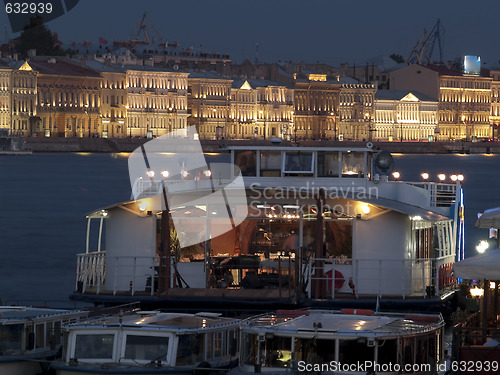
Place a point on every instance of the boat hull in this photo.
(20, 367)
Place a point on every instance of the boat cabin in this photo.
(145, 339)
(301, 339)
(318, 223)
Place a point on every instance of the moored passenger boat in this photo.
(30, 337)
(316, 226)
(149, 343)
(348, 341)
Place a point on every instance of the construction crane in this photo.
(143, 29)
(422, 52)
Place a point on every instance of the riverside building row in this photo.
(60, 97)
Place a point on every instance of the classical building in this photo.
(261, 109)
(464, 100)
(316, 101)
(209, 104)
(5, 97)
(68, 98)
(113, 92)
(356, 111)
(156, 101)
(23, 99)
(495, 102)
(404, 116)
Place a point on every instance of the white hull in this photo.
(20, 368)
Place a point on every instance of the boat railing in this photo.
(439, 194)
(98, 273)
(472, 342)
(403, 278)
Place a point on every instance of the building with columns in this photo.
(495, 102)
(209, 104)
(356, 111)
(68, 98)
(404, 116)
(464, 100)
(5, 97)
(24, 99)
(156, 101)
(261, 109)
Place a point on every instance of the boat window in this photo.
(387, 351)
(149, 348)
(328, 164)
(278, 352)
(314, 351)
(11, 338)
(232, 342)
(190, 350)
(94, 346)
(354, 351)
(338, 237)
(217, 344)
(39, 335)
(247, 162)
(248, 348)
(353, 164)
(406, 350)
(270, 163)
(57, 333)
(297, 162)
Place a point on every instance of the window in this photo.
(352, 164)
(149, 348)
(190, 349)
(270, 163)
(11, 338)
(328, 164)
(246, 161)
(298, 162)
(94, 346)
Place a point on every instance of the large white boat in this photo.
(318, 226)
(31, 337)
(347, 341)
(149, 343)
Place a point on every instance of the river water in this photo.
(44, 199)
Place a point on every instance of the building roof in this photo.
(207, 75)
(101, 67)
(61, 66)
(257, 83)
(400, 94)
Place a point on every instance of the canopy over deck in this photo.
(483, 266)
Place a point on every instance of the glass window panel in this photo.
(352, 164)
(94, 346)
(299, 162)
(40, 335)
(247, 162)
(190, 350)
(150, 348)
(11, 338)
(328, 164)
(270, 163)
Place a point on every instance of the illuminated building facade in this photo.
(464, 100)
(316, 100)
(23, 83)
(404, 116)
(209, 104)
(356, 111)
(261, 109)
(156, 101)
(5, 98)
(495, 102)
(68, 99)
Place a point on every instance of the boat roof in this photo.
(329, 324)
(13, 314)
(156, 320)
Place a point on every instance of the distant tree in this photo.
(398, 58)
(38, 36)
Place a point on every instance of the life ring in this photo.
(339, 280)
(369, 144)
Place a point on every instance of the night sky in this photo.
(328, 31)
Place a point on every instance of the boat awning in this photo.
(489, 219)
(480, 267)
(406, 209)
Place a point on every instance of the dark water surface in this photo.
(44, 198)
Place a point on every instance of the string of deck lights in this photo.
(441, 177)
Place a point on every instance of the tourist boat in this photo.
(149, 343)
(346, 341)
(30, 337)
(316, 225)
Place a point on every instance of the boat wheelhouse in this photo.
(30, 336)
(346, 341)
(149, 342)
(317, 224)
